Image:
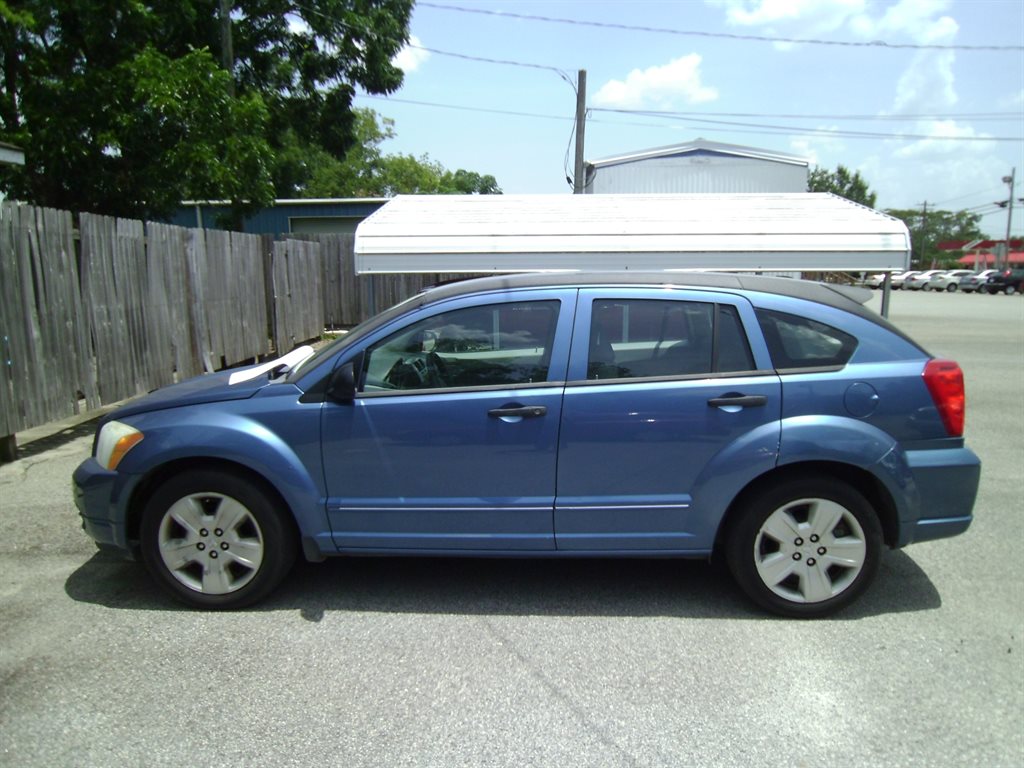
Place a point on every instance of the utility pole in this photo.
(227, 53)
(1009, 217)
(580, 173)
(924, 236)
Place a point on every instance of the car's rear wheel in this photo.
(216, 540)
(951, 288)
(1010, 290)
(805, 548)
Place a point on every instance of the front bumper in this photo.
(947, 482)
(95, 492)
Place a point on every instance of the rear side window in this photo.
(798, 342)
(641, 338)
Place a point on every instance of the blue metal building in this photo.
(312, 216)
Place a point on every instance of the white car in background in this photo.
(920, 280)
(898, 280)
(947, 281)
(876, 280)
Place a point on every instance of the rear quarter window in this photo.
(799, 342)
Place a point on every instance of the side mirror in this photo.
(341, 388)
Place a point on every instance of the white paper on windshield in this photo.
(292, 359)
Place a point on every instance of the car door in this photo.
(669, 408)
(451, 441)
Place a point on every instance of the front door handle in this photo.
(742, 401)
(526, 411)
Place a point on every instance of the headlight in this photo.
(116, 439)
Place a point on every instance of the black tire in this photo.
(220, 568)
(814, 584)
(1010, 290)
(952, 288)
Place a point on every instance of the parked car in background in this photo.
(774, 423)
(977, 281)
(875, 281)
(918, 281)
(1008, 281)
(947, 281)
(898, 280)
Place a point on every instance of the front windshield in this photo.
(356, 333)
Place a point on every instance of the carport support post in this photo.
(371, 298)
(886, 288)
(8, 448)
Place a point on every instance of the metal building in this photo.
(697, 166)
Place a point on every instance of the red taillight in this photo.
(945, 381)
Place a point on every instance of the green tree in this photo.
(123, 107)
(366, 171)
(843, 183)
(927, 231)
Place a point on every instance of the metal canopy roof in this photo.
(697, 146)
(530, 233)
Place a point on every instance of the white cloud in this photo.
(815, 148)
(815, 14)
(916, 18)
(940, 133)
(659, 86)
(1014, 100)
(410, 59)
(920, 20)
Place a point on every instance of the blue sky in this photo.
(940, 95)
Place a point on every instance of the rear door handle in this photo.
(743, 401)
(526, 411)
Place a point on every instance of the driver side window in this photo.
(491, 345)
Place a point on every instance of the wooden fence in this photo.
(45, 347)
(128, 306)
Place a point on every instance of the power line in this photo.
(969, 194)
(736, 127)
(685, 117)
(976, 116)
(808, 116)
(466, 108)
(721, 35)
(486, 60)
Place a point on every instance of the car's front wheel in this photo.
(952, 288)
(805, 548)
(215, 539)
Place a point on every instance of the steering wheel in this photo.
(403, 375)
(425, 372)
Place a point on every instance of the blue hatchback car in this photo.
(776, 424)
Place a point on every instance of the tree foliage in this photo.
(937, 226)
(366, 171)
(843, 183)
(123, 107)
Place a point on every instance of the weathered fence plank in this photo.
(298, 301)
(43, 348)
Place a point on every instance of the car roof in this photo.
(839, 296)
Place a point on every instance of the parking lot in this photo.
(517, 662)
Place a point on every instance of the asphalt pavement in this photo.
(388, 662)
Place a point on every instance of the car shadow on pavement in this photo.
(57, 439)
(507, 587)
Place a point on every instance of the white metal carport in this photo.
(721, 232)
